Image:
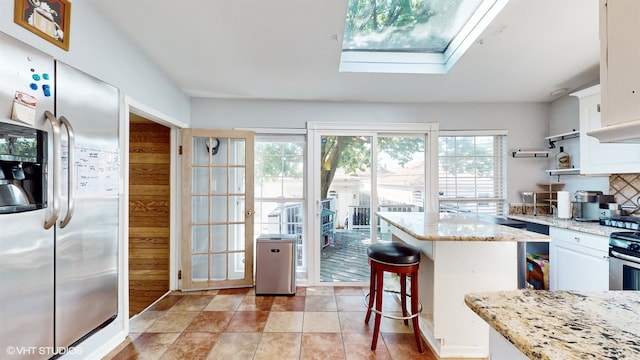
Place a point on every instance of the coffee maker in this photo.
(587, 205)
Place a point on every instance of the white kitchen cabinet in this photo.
(620, 56)
(596, 157)
(578, 261)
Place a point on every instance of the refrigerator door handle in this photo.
(55, 198)
(70, 170)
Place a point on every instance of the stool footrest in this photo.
(409, 316)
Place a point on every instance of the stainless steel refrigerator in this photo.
(59, 203)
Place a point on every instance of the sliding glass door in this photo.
(356, 174)
(345, 212)
(400, 177)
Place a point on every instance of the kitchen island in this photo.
(460, 254)
(561, 324)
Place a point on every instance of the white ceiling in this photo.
(290, 49)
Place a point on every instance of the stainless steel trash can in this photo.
(276, 264)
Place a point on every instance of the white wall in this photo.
(527, 123)
(98, 48)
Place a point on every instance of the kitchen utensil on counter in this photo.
(630, 209)
(525, 195)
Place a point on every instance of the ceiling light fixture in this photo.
(559, 92)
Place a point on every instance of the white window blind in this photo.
(472, 173)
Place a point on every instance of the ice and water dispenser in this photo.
(22, 168)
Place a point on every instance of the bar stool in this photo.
(403, 260)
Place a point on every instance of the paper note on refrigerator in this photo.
(97, 170)
(24, 108)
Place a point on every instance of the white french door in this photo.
(217, 209)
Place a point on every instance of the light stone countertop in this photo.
(583, 226)
(564, 324)
(456, 227)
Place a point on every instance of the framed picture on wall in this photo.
(49, 19)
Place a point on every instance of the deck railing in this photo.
(359, 217)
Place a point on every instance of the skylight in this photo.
(412, 36)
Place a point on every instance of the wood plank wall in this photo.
(149, 201)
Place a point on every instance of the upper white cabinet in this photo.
(620, 61)
(597, 157)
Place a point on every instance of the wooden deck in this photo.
(346, 259)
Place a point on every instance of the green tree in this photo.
(467, 155)
(278, 160)
(353, 154)
(386, 24)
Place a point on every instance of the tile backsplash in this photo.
(625, 188)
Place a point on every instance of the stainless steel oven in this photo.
(624, 261)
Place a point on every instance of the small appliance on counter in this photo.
(588, 205)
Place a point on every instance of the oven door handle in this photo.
(625, 257)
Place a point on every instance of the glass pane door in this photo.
(280, 191)
(400, 177)
(345, 213)
(217, 245)
(354, 174)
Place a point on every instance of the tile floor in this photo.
(317, 323)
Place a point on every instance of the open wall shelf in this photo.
(530, 154)
(572, 171)
(554, 138)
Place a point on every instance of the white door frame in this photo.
(132, 106)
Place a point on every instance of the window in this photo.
(472, 173)
(412, 36)
(279, 187)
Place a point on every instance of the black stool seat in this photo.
(403, 260)
(394, 254)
